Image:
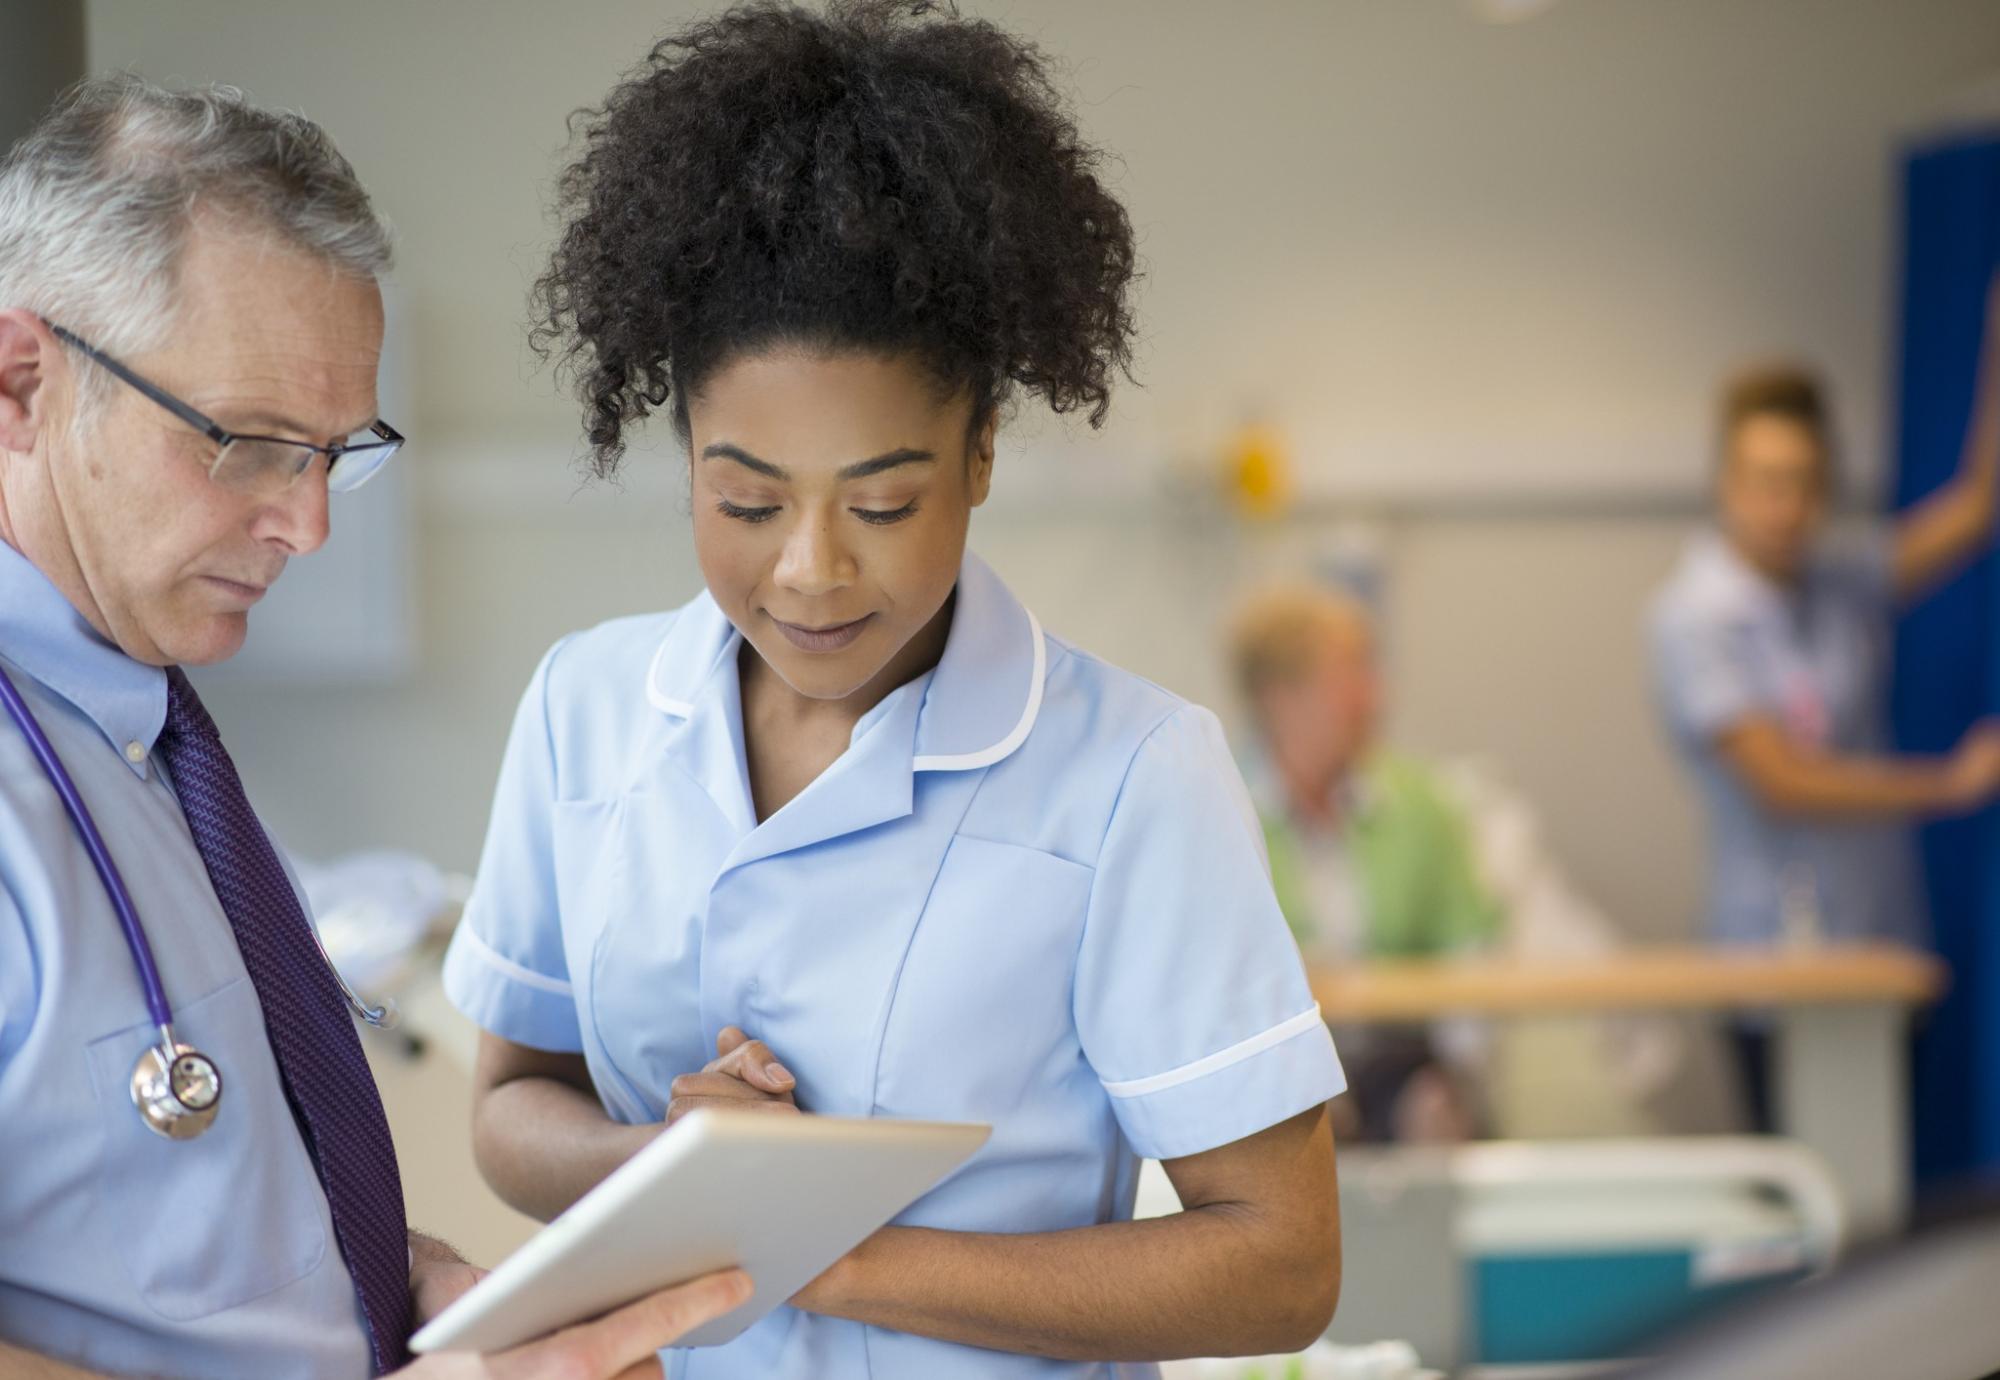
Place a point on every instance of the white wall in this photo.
(1438, 253)
(43, 52)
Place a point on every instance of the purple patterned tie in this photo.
(326, 1076)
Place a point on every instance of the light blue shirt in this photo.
(1030, 893)
(121, 1251)
(1728, 644)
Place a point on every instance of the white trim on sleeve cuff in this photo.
(508, 968)
(1214, 1063)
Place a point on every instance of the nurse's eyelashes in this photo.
(742, 514)
(874, 517)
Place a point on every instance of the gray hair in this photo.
(97, 198)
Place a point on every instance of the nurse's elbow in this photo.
(1313, 1300)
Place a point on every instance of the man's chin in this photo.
(210, 639)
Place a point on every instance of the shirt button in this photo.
(135, 752)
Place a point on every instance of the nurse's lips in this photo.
(830, 638)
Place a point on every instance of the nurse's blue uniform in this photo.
(1729, 644)
(1031, 892)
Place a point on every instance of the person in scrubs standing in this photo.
(850, 833)
(1770, 646)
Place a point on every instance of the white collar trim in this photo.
(986, 756)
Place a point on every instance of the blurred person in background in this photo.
(1770, 648)
(1370, 856)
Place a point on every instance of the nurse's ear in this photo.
(979, 460)
(26, 349)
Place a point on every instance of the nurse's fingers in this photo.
(723, 1085)
(681, 1106)
(648, 1369)
(729, 1039)
(753, 1062)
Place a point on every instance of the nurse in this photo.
(851, 833)
(1770, 658)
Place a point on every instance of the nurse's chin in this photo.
(818, 681)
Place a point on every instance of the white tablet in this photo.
(782, 1196)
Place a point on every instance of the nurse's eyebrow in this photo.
(893, 460)
(722, 450)
(860, 469)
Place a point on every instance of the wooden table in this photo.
(1841, 1017)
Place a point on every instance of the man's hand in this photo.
(618, 1346)
(744, 1075)
(438, 1275)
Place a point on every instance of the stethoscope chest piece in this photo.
(177, 1099)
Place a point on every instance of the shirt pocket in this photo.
(981, 1023)
(235, 1213)
(627, 941)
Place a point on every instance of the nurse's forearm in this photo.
(1252, 1266)
(16, 1364)
(1195, 1284)
(1789, 781)
(542, 1144)
(541, 1140)
(1944, 531)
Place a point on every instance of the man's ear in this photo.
(26, 352)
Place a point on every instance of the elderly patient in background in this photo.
(1370, 857)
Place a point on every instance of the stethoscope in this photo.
(176, 1087)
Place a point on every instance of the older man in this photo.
(189, 332)
(1369, 855)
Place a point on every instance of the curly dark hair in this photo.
(885, 176)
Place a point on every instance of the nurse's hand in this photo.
(617, 1346)
(1974, 768)
(744, 1076)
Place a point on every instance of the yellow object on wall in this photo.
(1257, 470)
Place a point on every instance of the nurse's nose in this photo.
(813, 561)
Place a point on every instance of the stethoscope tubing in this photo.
(100, 856)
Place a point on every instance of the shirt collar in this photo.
(979, 704)
(42, 633)
(1723, 571)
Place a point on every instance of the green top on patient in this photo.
(1412, 853)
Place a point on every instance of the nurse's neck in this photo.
(1780, 565)
(789, 738)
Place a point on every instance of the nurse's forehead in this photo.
(804, 409)
(901, 458)
(1774, 439)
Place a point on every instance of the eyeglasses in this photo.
(261, 465)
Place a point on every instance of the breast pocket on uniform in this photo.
(625, 882)
(235, 1213)
(981, 1012)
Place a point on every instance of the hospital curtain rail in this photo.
(1947, 653)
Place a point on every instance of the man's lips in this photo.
(244, 590)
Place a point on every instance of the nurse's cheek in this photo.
(744, 1076)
